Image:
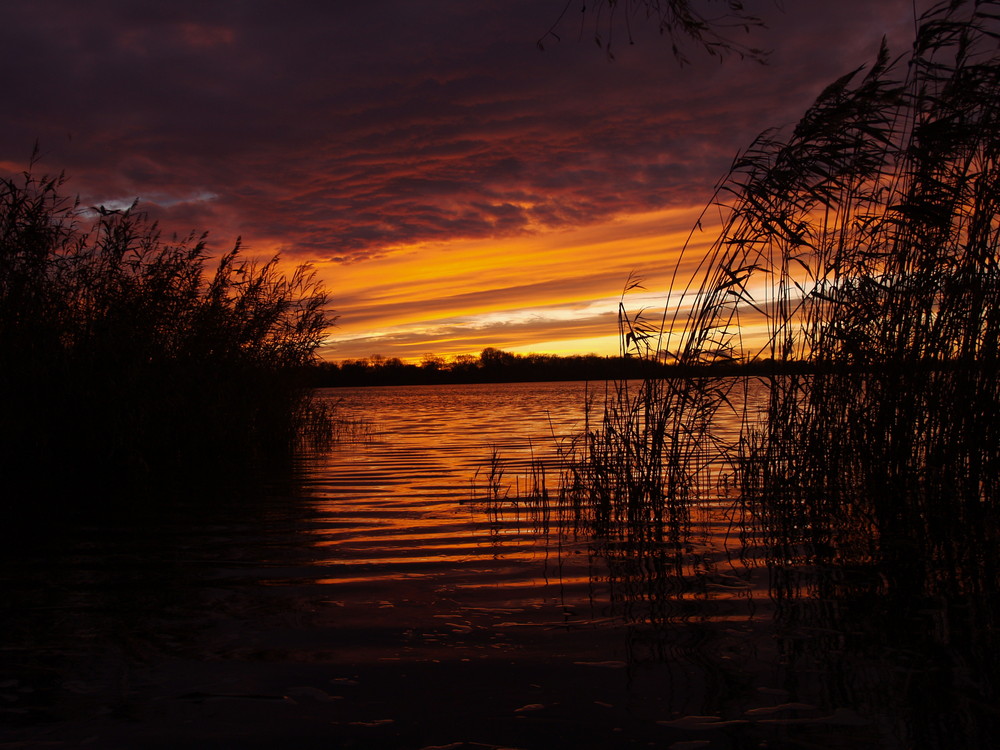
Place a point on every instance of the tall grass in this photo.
(864, 244)
(130, 360)
(865, 247)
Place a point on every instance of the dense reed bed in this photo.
(866, 244)
(132, 362)
(863, 246)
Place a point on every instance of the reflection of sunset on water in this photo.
(770, 522)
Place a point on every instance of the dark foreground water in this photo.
(401, 596)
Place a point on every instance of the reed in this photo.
(863, 245)
(866, 244)
(131, 361)
(862, 248)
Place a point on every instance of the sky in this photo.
(454, 186)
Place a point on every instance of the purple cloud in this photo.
(335, 131)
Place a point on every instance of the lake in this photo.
(411, 587)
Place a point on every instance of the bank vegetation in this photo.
(130, 361)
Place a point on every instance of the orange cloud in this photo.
(457, 187)
(539, 293)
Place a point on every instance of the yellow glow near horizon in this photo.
(555, 292)
(601, 345)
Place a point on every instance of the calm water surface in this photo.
(403, 596)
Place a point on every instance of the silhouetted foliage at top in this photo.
(706, 24)
(128, 359)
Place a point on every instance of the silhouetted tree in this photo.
(432, 363)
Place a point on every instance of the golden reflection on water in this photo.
(408, 572)
(429, 512)
(777, 603)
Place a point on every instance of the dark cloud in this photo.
(336, 130)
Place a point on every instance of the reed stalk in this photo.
(862, 247)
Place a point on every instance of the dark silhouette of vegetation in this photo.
(863, 246)
(706, 24)
(130, 361)
(498, 366)
(870, 238)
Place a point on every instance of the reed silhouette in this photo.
(131, 361)
(865, 247)
(683, 23)
(862, 247)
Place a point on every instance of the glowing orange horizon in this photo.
(554, 292)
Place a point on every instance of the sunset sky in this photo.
(455, 186)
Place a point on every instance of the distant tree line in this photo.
(498, 366)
